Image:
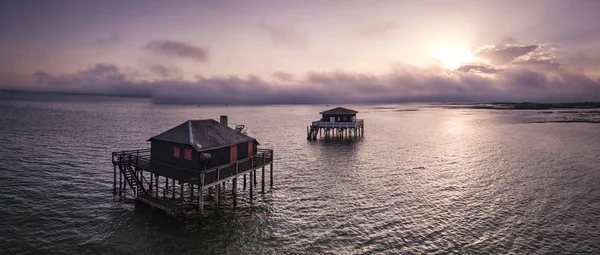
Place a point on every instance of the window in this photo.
(176, 152)
(187, 154)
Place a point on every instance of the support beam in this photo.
(120, 182)
(114, 179)
(182, 195)
(166, 187)
(173, 187)
(234, 191)
(272, 159)
(201, 195)
(251, 187)
(217, 196)
(263, 174)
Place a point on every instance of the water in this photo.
(423, 180)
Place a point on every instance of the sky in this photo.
(312, 51)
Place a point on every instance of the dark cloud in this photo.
(283, 34)
(178, 49)
(503, 56)
(378, 29)
(166, 72)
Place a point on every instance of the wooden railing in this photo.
(141, 160)
(351, 124)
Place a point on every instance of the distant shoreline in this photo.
(457, 104)
(527, 105)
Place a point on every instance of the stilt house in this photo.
(201, 144)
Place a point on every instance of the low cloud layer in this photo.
(400, 85)
(178, 50)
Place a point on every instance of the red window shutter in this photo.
(250, 149)
(233, 153)
(176, 152)
(188, 154)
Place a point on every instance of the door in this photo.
(331, 119)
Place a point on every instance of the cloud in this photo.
(377, 30)
(477, 69)
(503, 56)
(178, 49)
(166, 72)
(283, 34)
(102, 78)
(402, 84)
(282, 76)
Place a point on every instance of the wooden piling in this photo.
(201, 195)
(217, 196)
(114, 178)
(263, 175)
(251, 187)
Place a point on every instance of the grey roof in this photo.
(339, 110)
(203, 135)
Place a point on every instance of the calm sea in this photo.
(424, 179)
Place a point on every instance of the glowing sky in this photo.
(304, 51)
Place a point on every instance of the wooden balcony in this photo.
(352, 124)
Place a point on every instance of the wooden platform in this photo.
(174, 190)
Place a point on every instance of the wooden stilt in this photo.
(182, 195)
(234, 191)
(151, 188)
(114, 179)
(271, 168)
(251, 187)
(263, 175)
(120, 182)
(192, 192)
(217, 196)
(156, 184)
(173, 187)
(244, 181)
(166, 187)
(201, 195)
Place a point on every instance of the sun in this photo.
(452, 57)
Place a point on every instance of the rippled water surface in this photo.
(422, 180)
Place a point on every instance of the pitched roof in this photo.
(203, 135)
(339, 110)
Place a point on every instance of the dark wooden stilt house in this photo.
(187, 160)
(337, 122)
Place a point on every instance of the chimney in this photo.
(224, 120)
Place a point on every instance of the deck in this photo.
(173, 189)
(351, 124)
